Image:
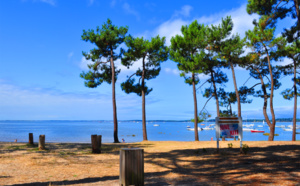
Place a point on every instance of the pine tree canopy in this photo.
(107, 39)
(152, 53)
(188, 50)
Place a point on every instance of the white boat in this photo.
(260, 126)
(156, 125)
(247, 129)
(188, 126)
(207, 128)
(193, 129)
(280, 126)
(285, 129)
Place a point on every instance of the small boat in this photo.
(257, 131)
(188, 126)
(260, 126)
(247, 129)
(156, 125)
(288, 129)
(207, 128)
(191, 129)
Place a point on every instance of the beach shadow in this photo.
(229, 166)
(70, 182)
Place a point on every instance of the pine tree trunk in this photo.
(236, 91)
(215, 93)
(145, 138)
(195, 109)
(295, 104)
(263, 87)
(296, 2)
(272, 128)
(116, 140)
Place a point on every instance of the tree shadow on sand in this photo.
(204, 166)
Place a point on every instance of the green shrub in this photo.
(245, 148)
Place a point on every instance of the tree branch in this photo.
(140, 79)
(205, 104)
(268, 78)
(202, 84)
(255, 85)
(247, 80)
(131, 75)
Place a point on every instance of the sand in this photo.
(166, 163)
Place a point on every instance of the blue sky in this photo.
(41, 59)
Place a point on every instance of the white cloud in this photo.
(169, 29)
(185, 11)
(83, 64)
(91, 2)
(113, 3)
(129, 10)
(285, 61)
(46, 103)
(70, 55)
(172, 71)
(241, 20)
(136, 65)
(50, 2)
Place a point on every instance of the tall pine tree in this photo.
(262, 42)
(152, 53)
(188, 51)
(107, 39)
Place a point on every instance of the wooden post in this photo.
(99, 141)
(95, 147)
(131, 166)
(42, 142)
(223, 138)
(30, 142)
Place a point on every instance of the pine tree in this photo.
(280, 9)
(107, 39)
(152, 53)
(262, 42)
(188, 51)
(292, 52)
(230, 51)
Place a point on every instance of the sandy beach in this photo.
(166, 163)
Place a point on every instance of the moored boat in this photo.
(258, 131)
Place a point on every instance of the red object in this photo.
(257, 131)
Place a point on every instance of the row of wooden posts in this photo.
(131, 160)
(95, 139)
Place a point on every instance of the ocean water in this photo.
(81, 131)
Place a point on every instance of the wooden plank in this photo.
(232, 118)
(229, 122)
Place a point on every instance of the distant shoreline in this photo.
(211, 120)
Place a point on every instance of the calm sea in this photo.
(80, 131)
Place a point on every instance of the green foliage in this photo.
(245, 148)
(188, 51)
(152, 53)
(107, 39)
(227, 113)
(230, 145)
(202, 117)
